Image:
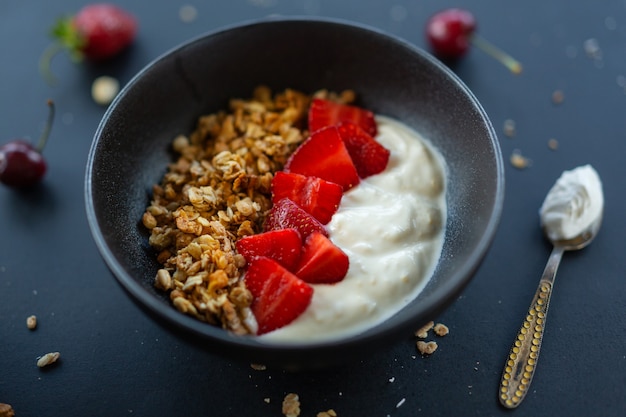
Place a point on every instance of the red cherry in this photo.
(451, 32)
(21, 163)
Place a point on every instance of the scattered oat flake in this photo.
(423, 331)
(6, 410)
(519, 161)
(291, 405)
(187, 13)
(104, 89)
(31, 322)
(258, 367)
(592, 48)
(328, 413)
(509, 128)
(558, 97)
(267, 400)
(48, 359)
(441, 329)
(393, 378)
(426, 348)
(553, 144)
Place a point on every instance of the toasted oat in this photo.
(518, 160)
(31, 322)
(217, 191)
(558, 97)
(426, 348)
(48, 359)
(291, 405)
(422, 333)
(6, 410)
(509, 128)
(258, 367)
(553, 144)
(104, 89)
(328, 413)
(441, 329)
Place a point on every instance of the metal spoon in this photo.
(522, 360)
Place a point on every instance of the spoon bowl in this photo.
(581, 240)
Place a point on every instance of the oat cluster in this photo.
(429, 347)
(217, 191)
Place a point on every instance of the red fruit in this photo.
(287, 215)
(316, 196)
(283, 246)
(279, 296)
(449, 32)
(21, 163)
(98, 31)
(324, 155)
(369, 156)
(321, 261)
(452, 31)
(324, 113)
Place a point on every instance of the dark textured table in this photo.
(115, 361)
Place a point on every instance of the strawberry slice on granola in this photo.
(286, 214)
(279, 296)
(324, 155)
(283, 246)
(323, 113)
(316, 196)
(368, 155)
(321, 261)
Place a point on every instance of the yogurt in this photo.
(391, 227)
(573, 203)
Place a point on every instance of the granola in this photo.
(48, 359)
(291, 405)
(217, 191)
(6, 410)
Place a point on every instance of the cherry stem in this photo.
(508, 61)
(44, 62)
(47, 128)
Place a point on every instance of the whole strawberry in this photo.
(97, 32)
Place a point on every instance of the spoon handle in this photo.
(522, 360)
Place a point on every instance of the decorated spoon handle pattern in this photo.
(522, 359)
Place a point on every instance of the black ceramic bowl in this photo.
(131, 149)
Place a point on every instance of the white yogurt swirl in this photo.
(573, 203)
(391, 227)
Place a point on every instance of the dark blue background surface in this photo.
(117, 362)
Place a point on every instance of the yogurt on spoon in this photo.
(573, 203)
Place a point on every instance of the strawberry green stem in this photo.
(511, 63)
(47, 128)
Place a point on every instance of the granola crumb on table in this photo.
(6, 410)
(31, 322)
(291, 405)
(217, 191)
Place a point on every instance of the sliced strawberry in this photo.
(279, 296)
(324, 155)
(321, 261)
(323, 113)
(316, 196)
(287, 215)
(369, 156)
(283, 246)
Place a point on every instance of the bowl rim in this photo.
(435, 303)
